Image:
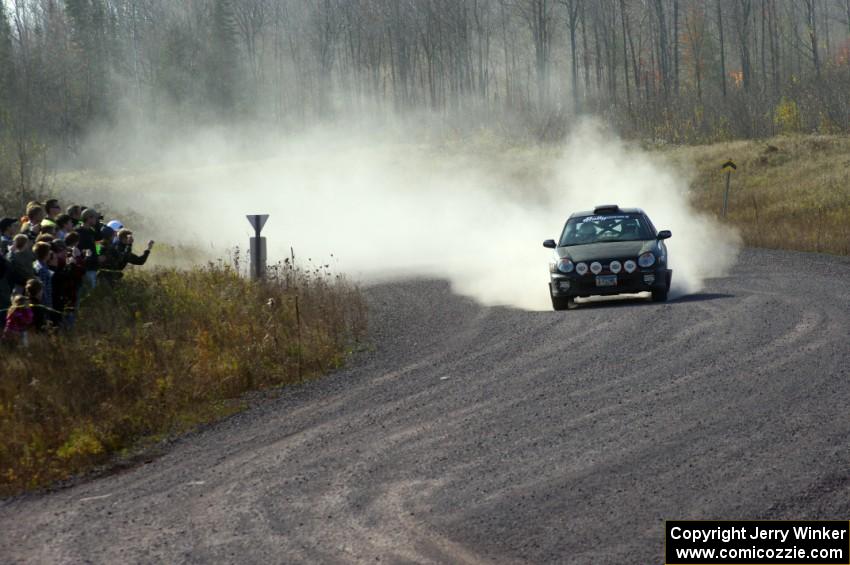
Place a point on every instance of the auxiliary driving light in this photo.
(564, 285)
(649, 279)
(615, 267)
(581, 268)
(630, 266)
(596, 267)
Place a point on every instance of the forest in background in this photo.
(681, 71)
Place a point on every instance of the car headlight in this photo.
(615, 267)
(630, 266)
(581, 268)
(565, 265)
(646, 259)
(596, 267)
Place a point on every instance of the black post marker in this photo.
(258, 246)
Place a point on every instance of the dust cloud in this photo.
(375, 207)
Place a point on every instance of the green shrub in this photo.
(786, 117)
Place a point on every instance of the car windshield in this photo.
(596, 229)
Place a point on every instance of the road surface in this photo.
(493, 435)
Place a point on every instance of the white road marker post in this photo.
(258, 246)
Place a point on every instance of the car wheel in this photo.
(661, 295)
(562, 302)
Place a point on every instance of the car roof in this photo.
(620, 211)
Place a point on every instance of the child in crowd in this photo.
(19, 319)
(34, 291)
(43, 255)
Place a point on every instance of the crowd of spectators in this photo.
(50, 260)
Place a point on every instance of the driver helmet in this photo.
(630, 227)
(586, 230)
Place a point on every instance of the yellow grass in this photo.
(787, 193)
(159, 353)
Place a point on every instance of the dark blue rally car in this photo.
(610, 250)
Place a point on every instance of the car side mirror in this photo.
(664, 234)
(550, 244)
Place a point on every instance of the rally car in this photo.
(610, 250)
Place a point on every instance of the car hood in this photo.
(606, 250)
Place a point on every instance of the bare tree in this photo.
(812, 25)
(78, 63)
(572, 7)
(722, 48)
(251, 19)
(539, 16)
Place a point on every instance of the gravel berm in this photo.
(477, 435)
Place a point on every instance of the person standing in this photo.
(32, 227)
(43, 255)
(64, 226)
(75, 211)
(75, 270)
(119, 255)
(22, 259)
(87, 245)
(34, 291)
(7, 233)
(6, 281)
(52, 209)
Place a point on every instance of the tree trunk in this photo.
(811, 20)
(585, 51)
(722, 49)
(572, 7)
(675, 40)
(742, 18)
(625, 58)
(663, 48)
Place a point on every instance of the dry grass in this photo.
(159, 353)
(787, 193)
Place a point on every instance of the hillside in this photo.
(787, 193)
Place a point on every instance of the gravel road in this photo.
(478, 435)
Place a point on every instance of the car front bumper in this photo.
(642, 280)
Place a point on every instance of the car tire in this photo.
(560, 303)
(661, 295)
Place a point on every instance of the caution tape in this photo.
(42, 306)
(68, 309)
